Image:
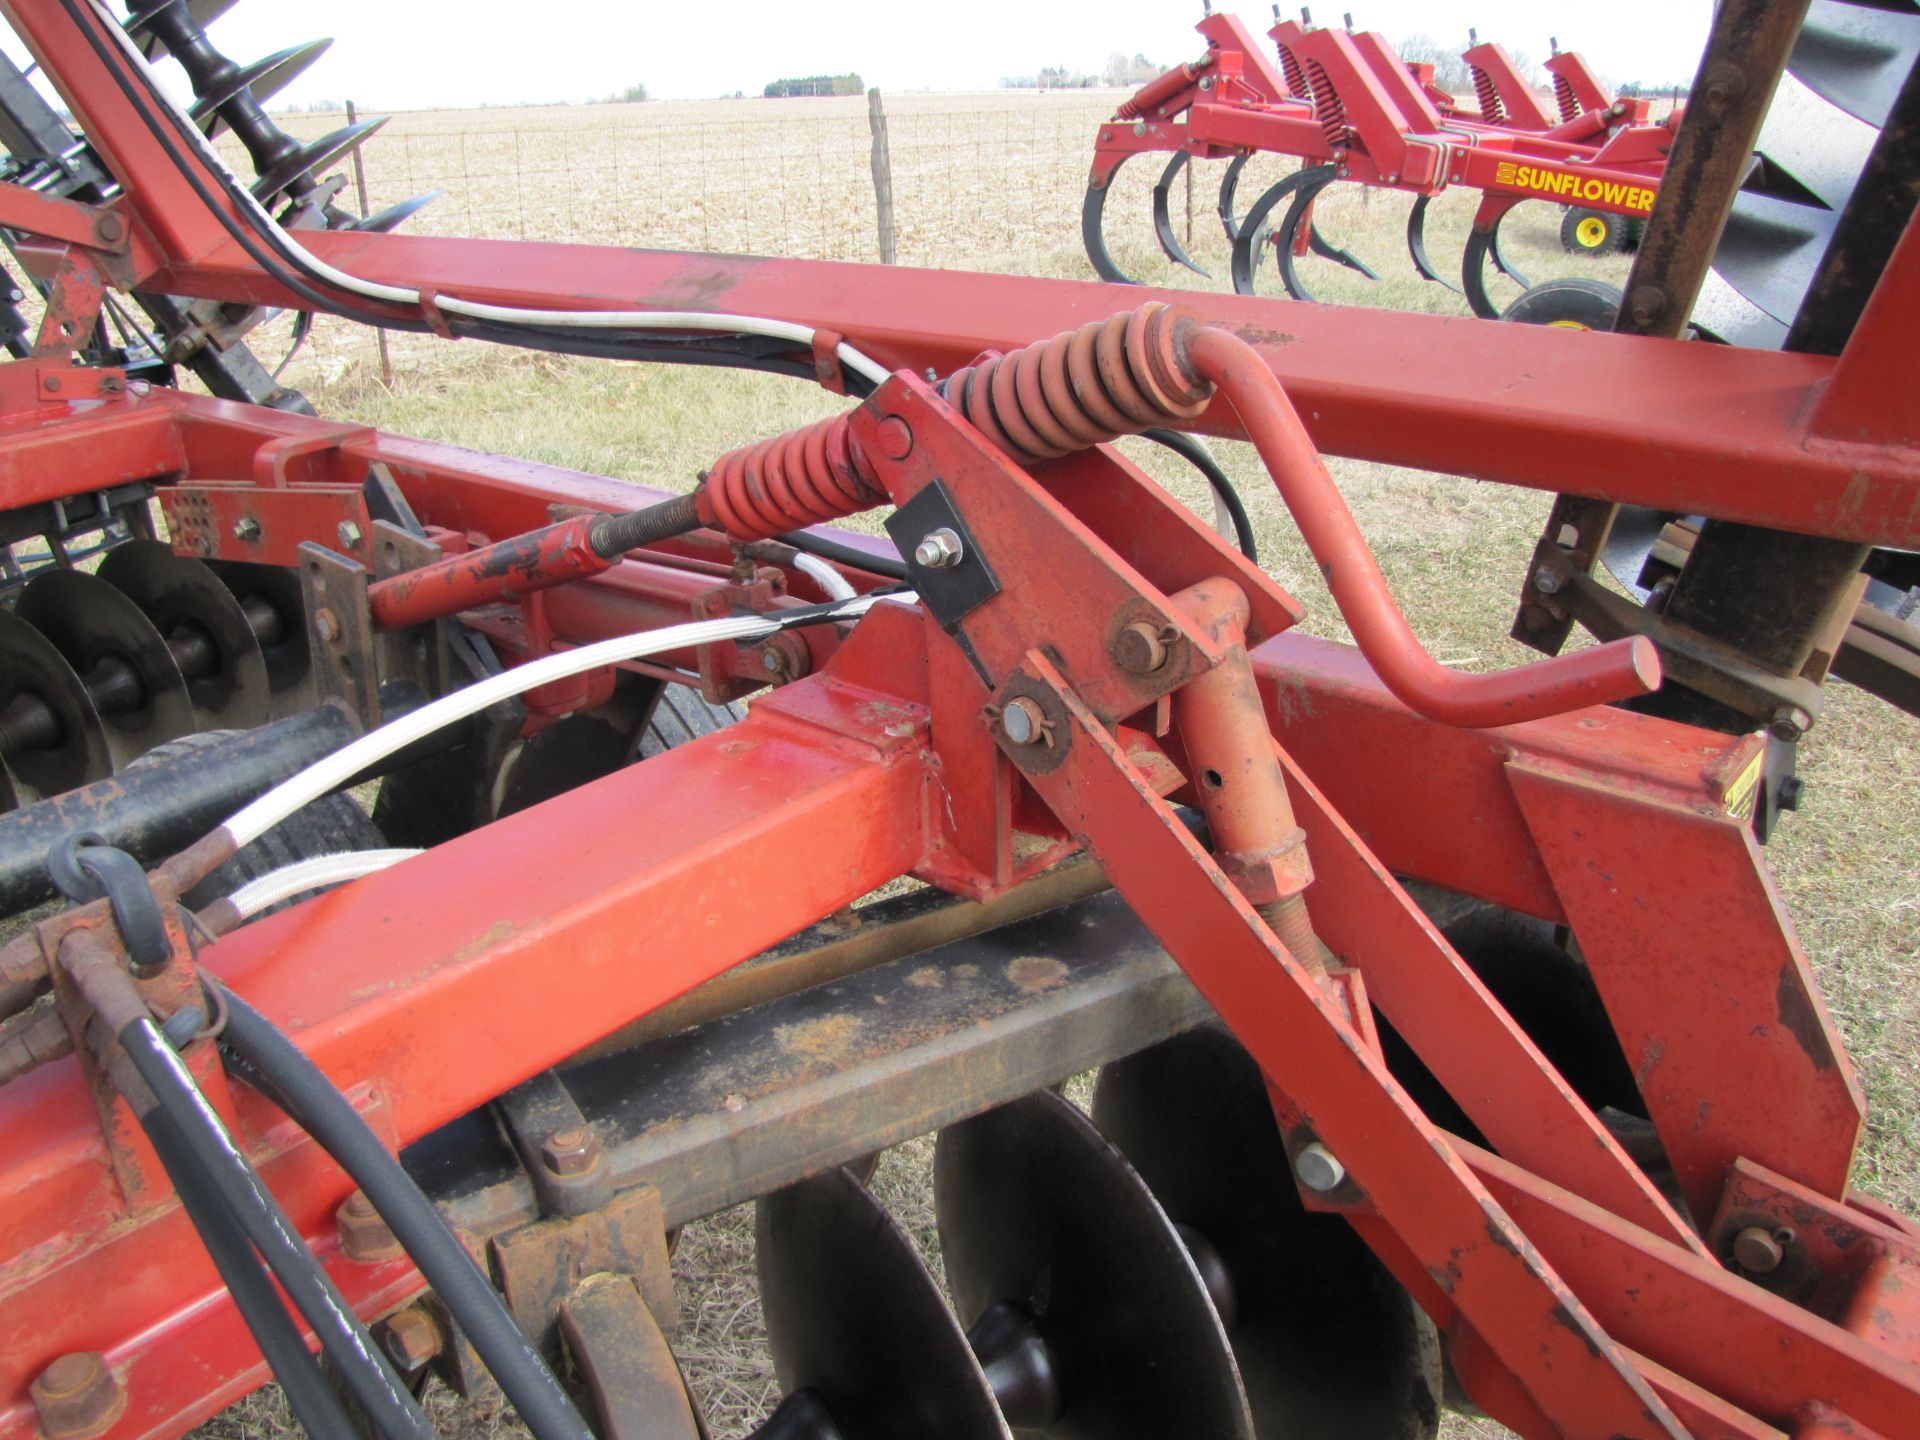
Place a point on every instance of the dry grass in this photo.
(791, 178)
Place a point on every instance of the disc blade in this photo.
(1036, 1209)
(316, 155)
(1328, 1344)
(1170, 244)
(265, 77)
(854, 1319)
(394, 216)
(96, 629)
(205, 627)
(140, 19)
(33, 671)
(269, 596)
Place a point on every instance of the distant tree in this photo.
(848, 84)
(628, 95)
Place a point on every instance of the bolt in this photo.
(1025, 723)
(894, 437)
(770, 661)
(1141, 648)
(364, 1236)
(350, 534)
(571, 1150)
(1647, 303)
(1758, 1251)
(53, 383)
(1790, 722)
(77, 1396)
(1318, 1168)
(327, 623)
(246, 528)
(1139, 127)
(110, 227)
(1546, 582)
(413, 1338)
(939, 550)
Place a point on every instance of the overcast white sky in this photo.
(405, 54)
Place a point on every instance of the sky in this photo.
(413, 54)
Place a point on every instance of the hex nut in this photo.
(413, 1337)
(246, 528)
(939, 550)
(77, 1396)
(570, 1151)
(364, 1236)
(327, 623)
(350, 534)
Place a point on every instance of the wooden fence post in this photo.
(360, 187)
(882, 176)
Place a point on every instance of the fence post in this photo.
(882, 175)
(360, 187)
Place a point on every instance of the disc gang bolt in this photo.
(77, 1396)
(364, 1236)
(1318, 1168)
(939, 550)
(570, 1151)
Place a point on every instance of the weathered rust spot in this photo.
(926, 977)
(1034, 973)
(824, 1039)
(1259, 335)
(1800, 1017)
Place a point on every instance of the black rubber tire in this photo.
(1571, 304)
(1592, 233)
(682, 714)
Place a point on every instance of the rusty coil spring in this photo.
(1109, 378)
(801, 478)
(1486, 96)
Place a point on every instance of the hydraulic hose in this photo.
(313, 1399)
(306, 1094)
(361, 1365)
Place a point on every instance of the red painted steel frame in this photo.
(1698, 429)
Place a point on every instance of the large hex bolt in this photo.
(570, 1151)
(364, 1236)
(413, 1337)
(77, 1396)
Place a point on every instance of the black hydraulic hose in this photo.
(315, 1403)
(312, 1100)
(361, 1365)
(1196, 455)
(888, 565)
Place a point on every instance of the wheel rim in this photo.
(1591, 232)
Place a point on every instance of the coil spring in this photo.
(1327, 108)
(1109, 378)
(801, 478)
(1296, 77)
(1563, 96)
(1487, 96)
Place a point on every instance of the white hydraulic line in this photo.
(825, 576)
(298, 878)
(332, 771)
(699, 320)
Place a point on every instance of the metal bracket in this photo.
(538, 1265)
(954, 590)
(333, 590)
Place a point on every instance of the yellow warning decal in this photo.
(1746, 785)
(1565, 185)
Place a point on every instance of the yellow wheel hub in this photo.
(1591, 232)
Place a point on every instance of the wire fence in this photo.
(985, 182)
